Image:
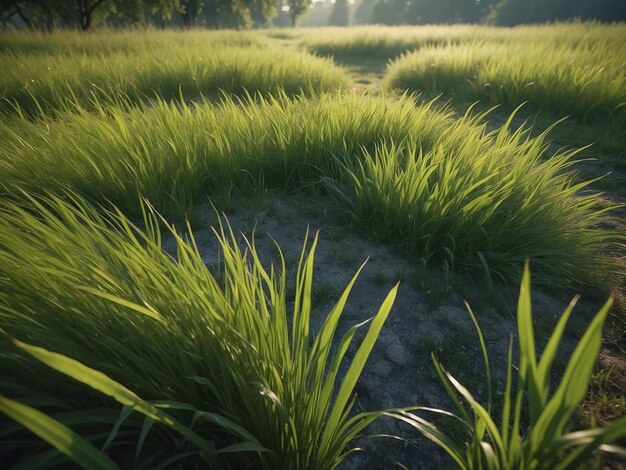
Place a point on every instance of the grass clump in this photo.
(584, 79)
(546, 444)
(412, 176)
(233, 373)
(104, 41)
(388, 42)
(384, 42)
(200, 66)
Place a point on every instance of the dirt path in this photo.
(428, 316)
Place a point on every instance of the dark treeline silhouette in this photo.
(498, 12)
(512, 12)
(83, 14)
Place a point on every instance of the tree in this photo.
(445, 11)
(297, 8)
(317, 15)
(512, 12)
(189, 11)
(433, 11)
(10, 9)
(80, 13)
(263, 11)
(42, 14)
(390, 12)
(340, 14)
(85, 10)
(363, 12)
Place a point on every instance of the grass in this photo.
(43, 73)
(546, 443)
(412, 176)
(111, 41)
(233, 368)
(385, 42)
(583, 79)
(573, 69)
(189, 119)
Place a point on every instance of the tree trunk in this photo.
(23, 17)
(85, 13)
(191, 13)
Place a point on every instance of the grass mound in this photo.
(229, 364)
(388, 42)
(192, 64)
(109, 41)
(411, 175)
(384, 42)
(584, 79)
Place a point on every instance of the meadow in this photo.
(50, 74)
(126, 344)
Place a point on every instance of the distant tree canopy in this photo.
(47, 14)
(499, 12)
(512, 12)
(340, 15)
(83, 14)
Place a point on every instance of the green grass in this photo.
(410, 175)
(44, 71)
(546, 442)
(384, 42)
(232, 372)
(118, 118)
(111, 41)
(387, 42)
(584, 79)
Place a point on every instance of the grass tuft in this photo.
(581, 78)
(234, 374)
(43, 72)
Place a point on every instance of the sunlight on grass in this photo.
(579, 76)
(43, 73)
(233, 367)
(411, 175)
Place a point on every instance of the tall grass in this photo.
(412, 175)
(232, 371)
(108, 41)
(586, 80)
(384, 42)
(387, 42)
(546, 443)
(145, 65)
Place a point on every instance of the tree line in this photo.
(84, 14)
(498, 12)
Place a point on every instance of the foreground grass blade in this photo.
(57, 435)
(104, 384)
(354, 371)
(224, 353)
(433, 433)
(573, 385)
(587, 441)
(499, 446)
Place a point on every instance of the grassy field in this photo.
(114, 143)
(48, 75)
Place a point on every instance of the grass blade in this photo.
(57, 435)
